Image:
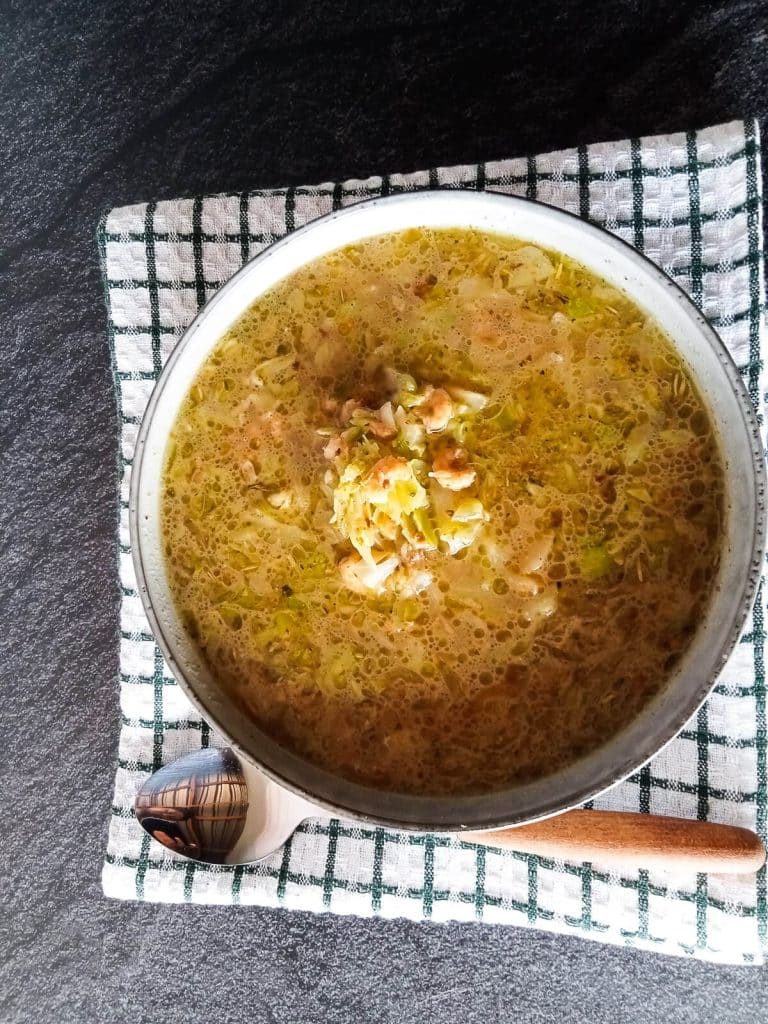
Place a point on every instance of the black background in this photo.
(104, 103)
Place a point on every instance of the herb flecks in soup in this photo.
(442, 511)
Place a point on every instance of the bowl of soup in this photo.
(447, 510)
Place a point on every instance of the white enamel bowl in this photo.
(731, 411)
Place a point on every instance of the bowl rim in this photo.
(741, 607)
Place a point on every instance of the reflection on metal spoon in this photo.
(212, 807)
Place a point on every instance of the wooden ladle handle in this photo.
(625, 839)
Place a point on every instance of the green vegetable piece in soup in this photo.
(439, 509)
(596, 562)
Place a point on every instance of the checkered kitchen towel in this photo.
(692, 203)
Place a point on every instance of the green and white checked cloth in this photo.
(692, 202)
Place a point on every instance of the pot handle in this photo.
(630, 840)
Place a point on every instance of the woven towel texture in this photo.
(692, 203)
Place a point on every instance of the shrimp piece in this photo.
(334, 447)
(386, 526)
(383, 425)
(280, 499)
(451, 469)
(383, 475)
(537, 554)
(436, 410)
(248, 471)
(380, 430)
(350, 406)
(484, 329)
(410, 582)
(268, 424)
(363, 578)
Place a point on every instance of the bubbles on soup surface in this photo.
(595, 461)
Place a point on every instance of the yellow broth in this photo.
(584, 576)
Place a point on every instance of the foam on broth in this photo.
(595, 464)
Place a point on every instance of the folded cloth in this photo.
(692, 203)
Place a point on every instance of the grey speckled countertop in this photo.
(101, 104)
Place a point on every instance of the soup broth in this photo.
(442, 511)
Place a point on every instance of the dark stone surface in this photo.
(104, 103)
